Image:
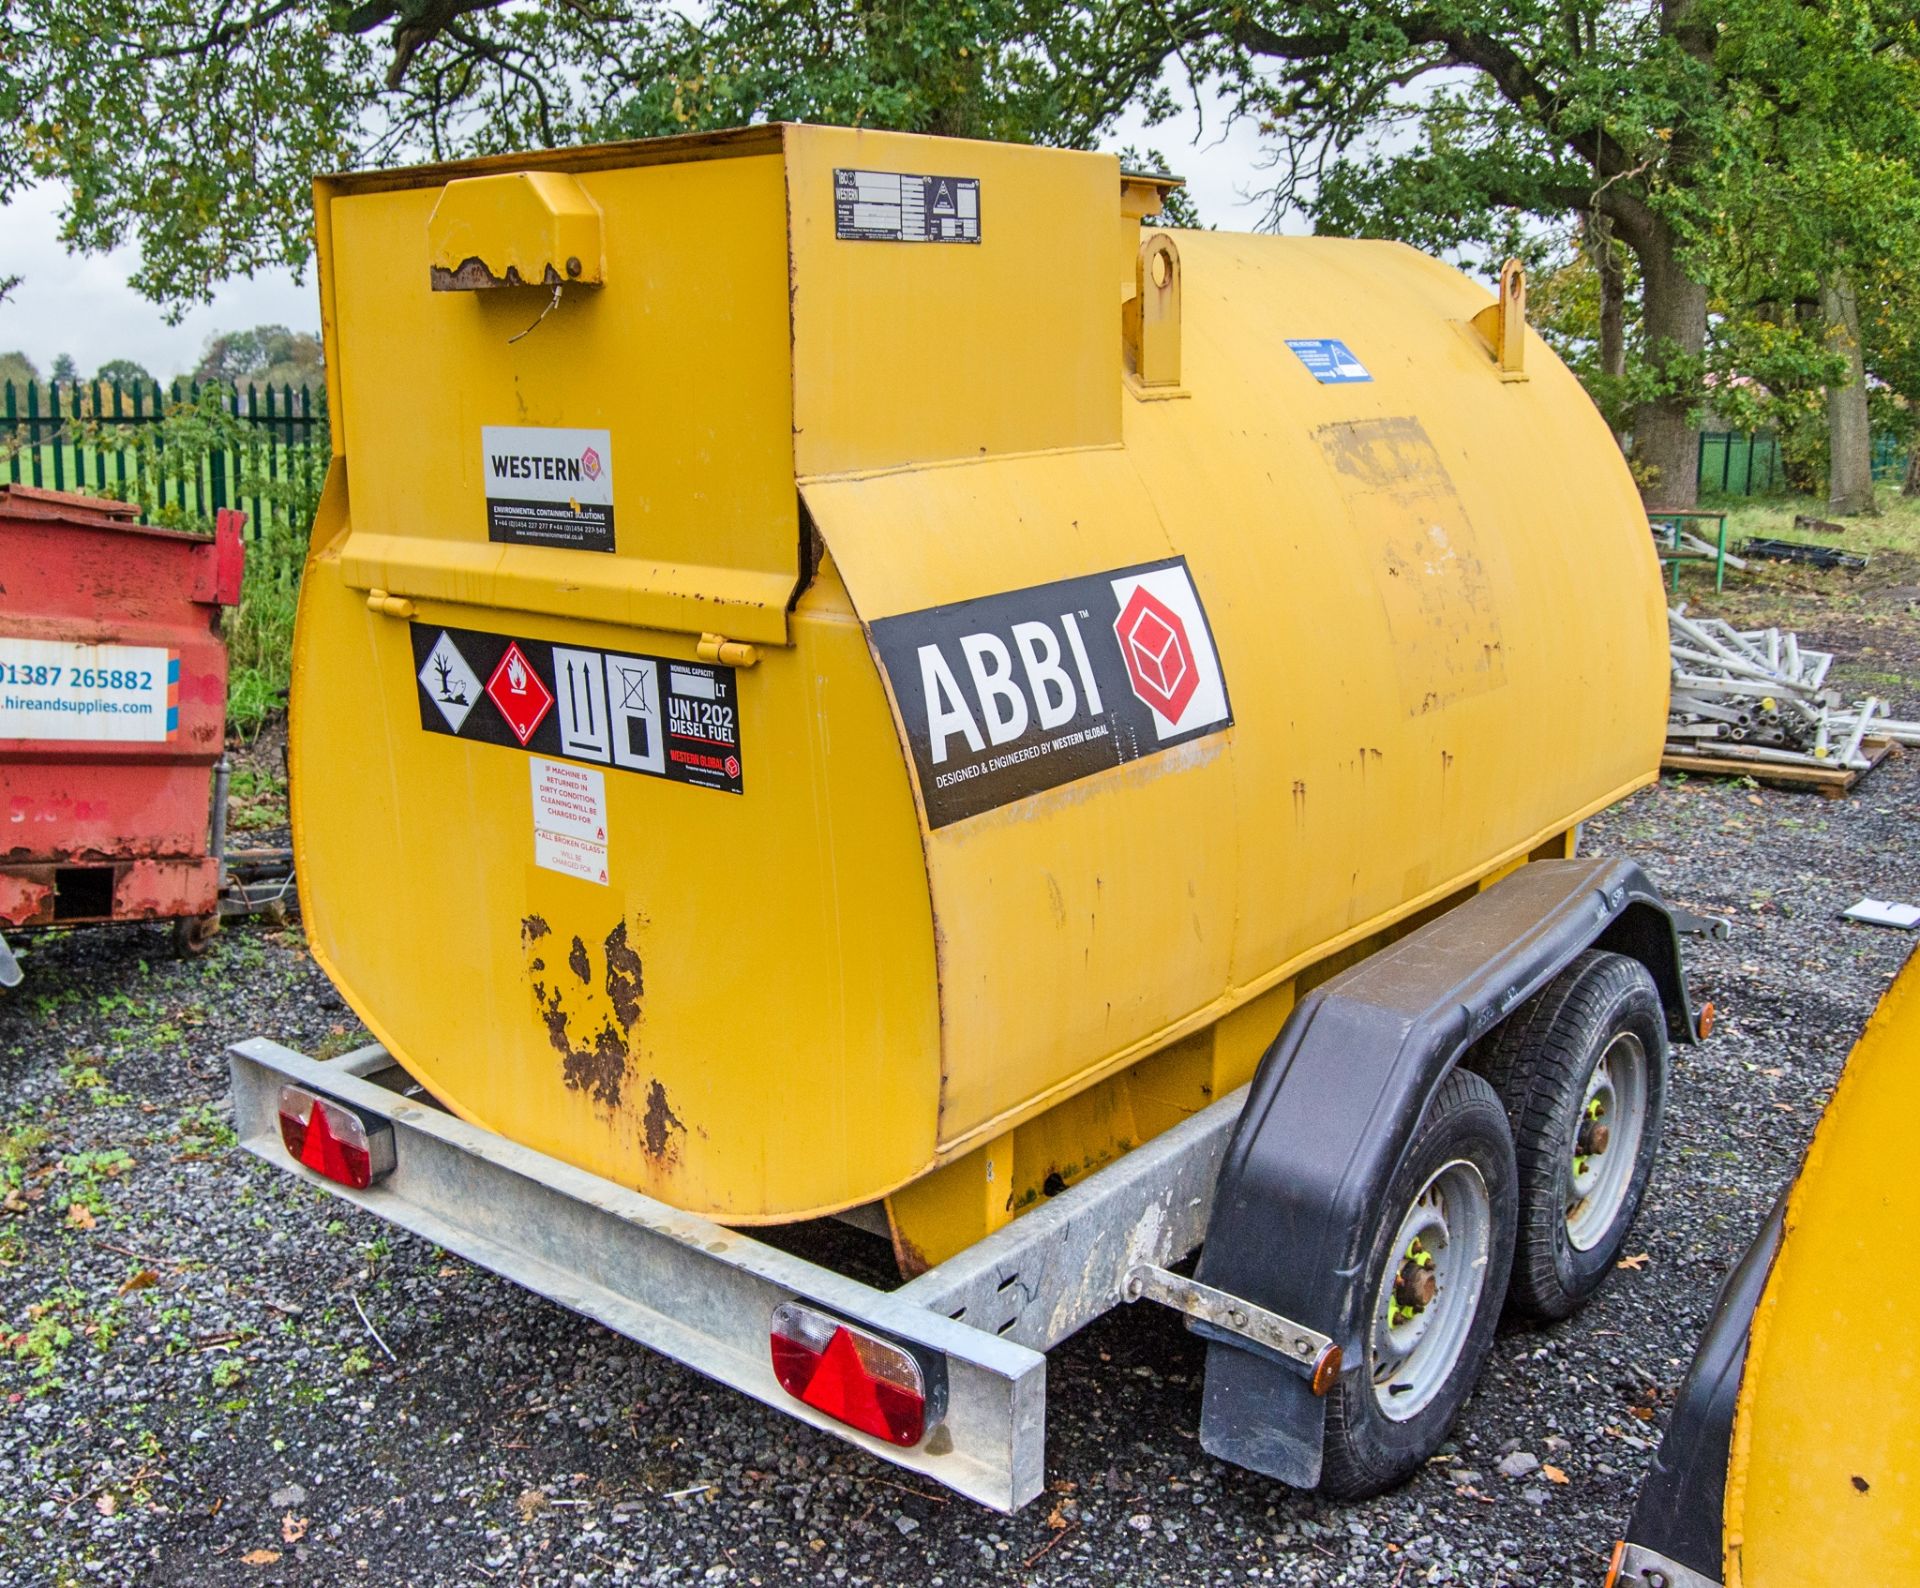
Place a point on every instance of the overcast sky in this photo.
(81, 304)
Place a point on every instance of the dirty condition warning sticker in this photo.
(50, 689)
(548, 487)
(569, 819)
(897, 207)
(646, 714)
(1011, 694)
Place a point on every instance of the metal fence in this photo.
(1741, 463)
(181, 451)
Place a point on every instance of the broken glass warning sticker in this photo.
(649, 714)
(900, 207)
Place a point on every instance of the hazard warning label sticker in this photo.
(899, 207)
(646, 714)
(570, 819)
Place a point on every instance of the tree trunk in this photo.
(1666, 446)
(1912, 487)
(1612, 271)
(1849, 430)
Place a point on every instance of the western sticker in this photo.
(1008, 695)
(646, 714)
(1329, 362)
(899, 207)
(52, 689)
(547, 486)
(569, 819)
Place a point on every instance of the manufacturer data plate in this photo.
(901, 207)
(645, 714)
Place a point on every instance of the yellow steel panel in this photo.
(1432, 597)
(747, 1021)
(681, 357)
(910, 352)
(1823, 1483)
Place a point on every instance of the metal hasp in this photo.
(1503, 325)
(1337, 1100)
(1308, 1347)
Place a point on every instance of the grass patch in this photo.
(1896, 527)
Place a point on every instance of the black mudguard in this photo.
(1334, 1105)
(1680, 1512)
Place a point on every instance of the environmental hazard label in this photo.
(548, 487)
(570, 819)
(900, 207)
(646, 714)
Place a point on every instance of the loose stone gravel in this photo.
(188, 1394)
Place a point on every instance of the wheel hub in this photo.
(1606, 1141)
(1428, 1298)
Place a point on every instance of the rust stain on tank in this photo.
(533, 928)
(577, 960)
(625, 984)
(660, 1120)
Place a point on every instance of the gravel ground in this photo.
(189, 1394)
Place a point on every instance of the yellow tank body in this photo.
(1003, 660)
(1822, 1482)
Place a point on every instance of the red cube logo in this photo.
(517, 690)
(1159, 657)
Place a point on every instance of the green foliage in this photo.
(267, 355)
(17, 369)
(65, 370)
(124, 371)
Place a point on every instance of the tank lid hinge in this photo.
(729, 653)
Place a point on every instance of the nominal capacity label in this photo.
(52, 689)
(900, 207)
(548, 487)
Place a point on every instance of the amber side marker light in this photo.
(1707, 1014)
(333, 1140)
(1620, 1546)
(1326, 1371)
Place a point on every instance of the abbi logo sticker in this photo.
(1168, 651)
(1010, 694)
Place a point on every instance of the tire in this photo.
(1577, 1208)
(1394, 1408)
(193, 935)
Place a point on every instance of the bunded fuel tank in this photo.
(839, 667)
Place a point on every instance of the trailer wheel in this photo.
(1437, 1268)
(193, 935)
(1582, 1070)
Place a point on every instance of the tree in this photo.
(193, 128)
(65, 371)
(16, 369)
(125, 371)
(266, 355)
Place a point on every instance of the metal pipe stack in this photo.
(1759, 695)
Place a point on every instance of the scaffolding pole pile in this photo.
(1759, 695)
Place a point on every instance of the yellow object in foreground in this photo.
(882, 684)
(1822, 1484)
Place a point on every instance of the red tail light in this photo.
(854, 1377)
(334, 1140)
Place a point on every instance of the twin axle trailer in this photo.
(921, 699)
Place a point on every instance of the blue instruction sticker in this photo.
(1329, 362)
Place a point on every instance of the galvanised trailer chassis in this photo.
(1281, 1181)
(702, 1293)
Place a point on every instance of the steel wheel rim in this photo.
(1597, 1184)
(1414, 1356)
